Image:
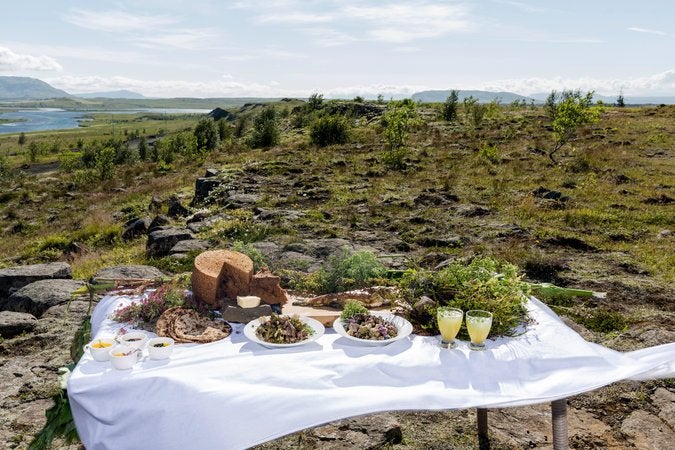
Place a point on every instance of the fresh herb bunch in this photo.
(148, 309)
(351, 309)
(485, 283)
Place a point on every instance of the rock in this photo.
(271, 214)
(649, 431)
(199, 216)
(136, 228)
(211, 173)
(14, 278)
(128, 272)
(190, 245)
(155, 204)
(663, 234)
(221, 274)
(265, 285)
(366, 432)
(665, 401)
(472, 210)
(236, 201)
(14, 323)
(237, 314)
(74, 309)
(160, 220)
(203, 187)
(423, 306)
(441, 241)
(160, 242)
(37, 297)
(176, 209)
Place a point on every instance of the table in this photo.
(234, 393)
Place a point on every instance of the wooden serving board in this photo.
(324, 315)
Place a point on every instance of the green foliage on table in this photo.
(351, 309)
(485, 283)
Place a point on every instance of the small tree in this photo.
(143, 148)
(33, 151)
(449, 111)
(22, 140)
(314, 102)
(265, 129)
(224, 130)
(206, 133)
(570, 111)
(397, 122)
(619, 100)
(104, 162)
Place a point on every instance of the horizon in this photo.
(292, 48)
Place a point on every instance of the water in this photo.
(58, 119)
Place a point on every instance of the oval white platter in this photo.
(252, 326)
(404, 329)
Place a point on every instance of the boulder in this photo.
(155, 205)
(221, 273)
(203, 187)
(160, 220)
(14, 323)
(176, 209)
(14, 278)
(74, 310)
(236, 201)
(128, 272)
(190, 245)
(211, 172)
(367, 432)
(648, 431)
(136, 227)
(37, 297)
(160, 242)
(265, 285)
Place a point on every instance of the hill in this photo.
(122, 93)
(26, 88)
(482, 96)
(628, 100)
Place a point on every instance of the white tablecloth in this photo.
(233, 393)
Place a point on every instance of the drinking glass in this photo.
(449, 322)
(478, 325)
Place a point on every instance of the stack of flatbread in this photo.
(186, 326)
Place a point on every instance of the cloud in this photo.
(393, 22)
(185, 39)
(648, 31)
(145, 30)
(16, 62)
(659, 84)
(294, 18)
(117, 21)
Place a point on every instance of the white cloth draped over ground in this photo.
(234, 393)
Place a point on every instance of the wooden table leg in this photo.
(482, 419)
(559, 421)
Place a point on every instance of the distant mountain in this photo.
(25, 88)
(482, 96)
(122, 93)
(627, 99)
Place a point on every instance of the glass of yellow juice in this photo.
(449, 322)
(478, 325)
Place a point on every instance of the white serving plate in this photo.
(319, 330)
(404, 329)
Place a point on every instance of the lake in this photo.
(43, 119)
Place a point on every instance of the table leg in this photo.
(559, 421)
(482, 419)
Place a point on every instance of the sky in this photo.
(341, 48)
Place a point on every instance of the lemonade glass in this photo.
(449, 322)
(478, 325)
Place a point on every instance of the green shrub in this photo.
(329, 130)
(485, 283)
(449, 110)
(603, 321)
(206, 134)
(265, 129)
(490, 153)
(349, 270)
(259, 260)
(104, 161)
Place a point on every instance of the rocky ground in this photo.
(600, 220)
